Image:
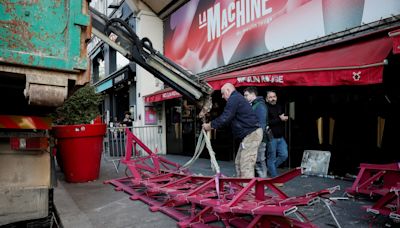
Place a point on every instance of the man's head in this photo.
(226, 90)
(250, 93)
(271, 97)
(127, 114)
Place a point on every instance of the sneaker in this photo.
(278, 184)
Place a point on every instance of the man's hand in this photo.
(206, 126)
(283, 117)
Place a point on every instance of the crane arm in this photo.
(119, 35)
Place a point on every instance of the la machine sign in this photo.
(206, 34)
(219, 20)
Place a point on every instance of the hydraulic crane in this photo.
(141, 51)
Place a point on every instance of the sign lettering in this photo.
(238, 14)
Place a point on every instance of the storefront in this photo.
(118, 90)
(335, 75)
(183, 126)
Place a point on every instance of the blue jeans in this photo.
(261, 167)
(276, 155)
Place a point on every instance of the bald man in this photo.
(245, 126)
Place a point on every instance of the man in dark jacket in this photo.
(260, 108)
(277, 152)
(245, 126)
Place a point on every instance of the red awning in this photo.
(355, 64)
(161, 95)
(395, 35)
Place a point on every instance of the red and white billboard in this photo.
(203, 35)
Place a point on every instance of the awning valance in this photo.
(357, 64)
(161, 95)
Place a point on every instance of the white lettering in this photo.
(264, 9)
(265, 78)
(224, 23)
(231, 13)
(240, 79)
(255, 9)
(238, 13)
(256, 79)
(202, 20)
(170, 94)
(275, 79)
(214, 23)
(119, 78)
(247, 11)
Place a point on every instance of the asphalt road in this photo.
(95, 204)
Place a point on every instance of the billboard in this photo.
(203, 35)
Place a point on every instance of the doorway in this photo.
(173, 109)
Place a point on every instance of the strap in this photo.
(203, 140)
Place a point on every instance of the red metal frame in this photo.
(375, 179)
(382, 181)
(388, 205)
(202, 201)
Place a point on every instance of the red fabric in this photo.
(164, 94)
(356, 64)
(395, 35)
(344, 65)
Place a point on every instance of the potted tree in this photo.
(79, 135)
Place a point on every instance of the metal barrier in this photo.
(115, 141)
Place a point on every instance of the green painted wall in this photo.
(42, 33)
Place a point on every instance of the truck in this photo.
(43, 59)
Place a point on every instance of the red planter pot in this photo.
(80, 147)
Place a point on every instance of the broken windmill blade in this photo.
(383, 181)
(197, 201)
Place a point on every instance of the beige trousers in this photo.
(247, 154)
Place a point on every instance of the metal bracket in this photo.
(46, 91)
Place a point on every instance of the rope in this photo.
(332, 214)
(199, 147)
(203, 140)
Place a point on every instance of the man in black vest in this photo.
(277, 151)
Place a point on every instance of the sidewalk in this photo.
(95, 204)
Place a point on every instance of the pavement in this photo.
(95, 204)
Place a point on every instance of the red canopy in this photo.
(347, 64)
(356, 64)
(161, 95)
(395, 35)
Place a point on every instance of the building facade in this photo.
(122, 82)
(333, 64)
